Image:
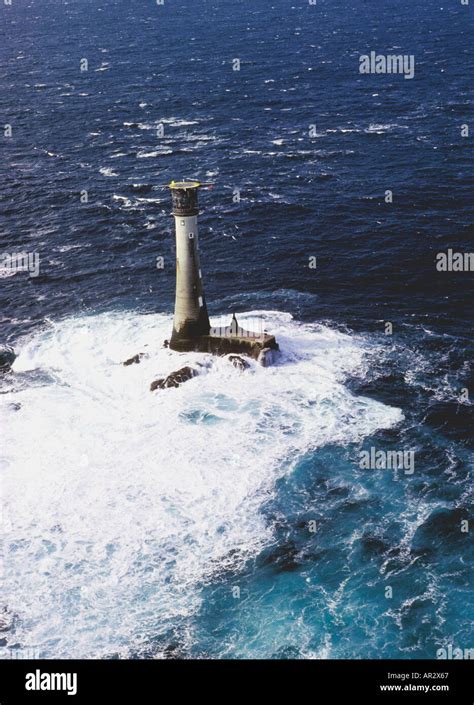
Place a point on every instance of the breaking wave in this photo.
(119, 503)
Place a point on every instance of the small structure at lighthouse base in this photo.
(232, 339)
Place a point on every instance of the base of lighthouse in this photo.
(230, 339)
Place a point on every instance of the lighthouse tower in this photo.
(191, 320)
(191, 327)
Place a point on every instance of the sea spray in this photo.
(119, 504)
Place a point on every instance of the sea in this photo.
(232, 517)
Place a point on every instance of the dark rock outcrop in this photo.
(239, 362)
(175, 379)
(133, 360)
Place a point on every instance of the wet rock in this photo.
(175, 379)
(135, 360)
(7, 358)
(239, 362)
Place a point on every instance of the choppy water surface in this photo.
(130, 518)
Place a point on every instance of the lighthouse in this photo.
(191, 327)
(191, 320)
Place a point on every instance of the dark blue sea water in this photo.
(180, 525)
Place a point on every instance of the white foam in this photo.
(127, 203)
(106, 171)
(380, 129)
(183, 123)
(118, 501)
(5, 272)
(155, 153)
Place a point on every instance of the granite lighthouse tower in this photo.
(191, 320)
(191, 327)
